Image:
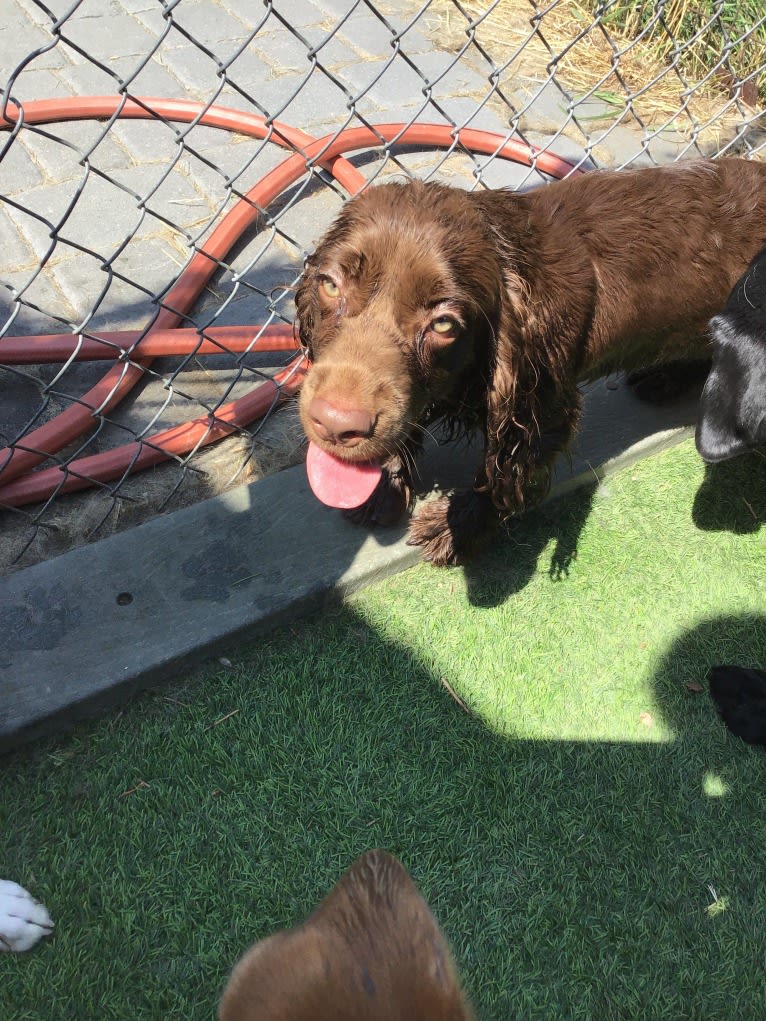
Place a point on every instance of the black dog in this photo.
(733, 406)
(740, 698)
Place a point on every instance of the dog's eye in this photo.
(445, 326)
(330, 288)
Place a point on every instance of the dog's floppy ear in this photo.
(732, 416)
(371, 950)
(532, 412)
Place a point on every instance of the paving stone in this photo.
(452, 77)
(300, 12)
(19, 173)
(386, 83)
(137, 7)
(102, 218)
(308, 108)
(151, 79)
(245, 306)
(368, 35)
(541, 107)
(150, 265)
(33, 84)
(232, 160)
(267, 86)
(87, 30)
(147, 13)
(20, 37)
(343, 9)
(193, 68)
(35, 237)
(88, 79)
(302, 42)
(59, 149)
(211, 25)
(453, 111)
(210, 182)
(45, 305)
(26, 321)
(18, 255)
(42, 211)
(35, 14)
(253, 17)
(83, 281)
(332, 49)
(102, 214)
(374, 38)
(148, 141)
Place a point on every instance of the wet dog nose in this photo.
(344, 426)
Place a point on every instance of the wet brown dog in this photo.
(372, 950)
(485, 309)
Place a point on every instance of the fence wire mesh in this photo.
(151, 239)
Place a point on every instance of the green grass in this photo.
(588, 834)
(698, 33)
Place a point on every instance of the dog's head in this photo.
(732, 416)
(396, 308)
(371, 950)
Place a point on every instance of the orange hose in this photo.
(114, 344)
(134, 457)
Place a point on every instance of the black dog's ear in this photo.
(733, 406)
(740, 698)
(719, 435)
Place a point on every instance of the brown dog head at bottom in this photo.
(371, 950)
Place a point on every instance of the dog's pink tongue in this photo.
(339, 483)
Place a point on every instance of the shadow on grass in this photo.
(732, 496)
(574, 880)
(494, 576)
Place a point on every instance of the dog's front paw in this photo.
(388, 504)
(430, 530)
(23, 920)
(450, 529)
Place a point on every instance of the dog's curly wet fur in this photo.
(486, 309)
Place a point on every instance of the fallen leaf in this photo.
(693, 686)
(647, 719)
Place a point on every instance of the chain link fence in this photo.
(166, 166)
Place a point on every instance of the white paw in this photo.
(23, 920)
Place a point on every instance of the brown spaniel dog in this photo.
(486, 309)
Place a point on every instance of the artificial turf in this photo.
(531, 736)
